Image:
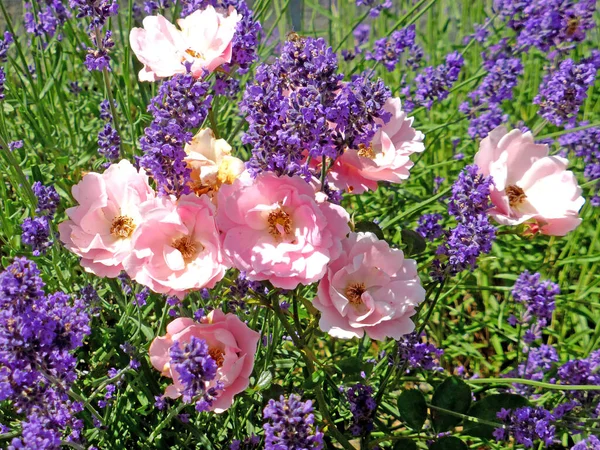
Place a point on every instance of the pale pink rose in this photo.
(387, 159)
(211, 163)
(232, 344)
(370, 288)
(529, 185)
(277, 229)
(176, 248)
(100, 229)
(204, 42)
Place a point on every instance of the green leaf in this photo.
(448, 443)
(264, 380)
(405, 444)
(413, 241)
(366, 226)
(412, 408)
(487, 408)
(454, 395)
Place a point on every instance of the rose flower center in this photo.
(280, 223)
(122, 227)
(186, 246)
(516, 195)
(354, 293)
(217, 354)
(365, 151)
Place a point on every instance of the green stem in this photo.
(540, 384)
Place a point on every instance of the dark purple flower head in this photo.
(429, 226)
(98, 11)
(362, 407)
(179, 108)
(50, 15)
(564, 90)
(526, 425)
(195, 367)
(591, 443)
(36, 234)
(416, 354)
(376, 6)
(579, 372)
(434, 82)
(152, 6)
(548, 24)
(97, 57)
(109, 142)
(47, 199)
(250, 443)
(291, 425)
(537, 296)
(388, 51)
(5, 45)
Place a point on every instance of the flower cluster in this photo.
(388, 51)
(473, 234)
(38, 334)
(44, 18)
(526, 425)
(591, 443)
(99, 11)
(564, 90)
(539, 300)
(4, 46)
(291, 424)
(36, 230)
(582, 371)
(376, 6)
(109, 141)
(433, 83)
(180, 106)
(416, 354)
(362, 407)
(548, 24)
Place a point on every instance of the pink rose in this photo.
(529, 185)
(204, 42)
(274, 228)
(100, 229)
(176, 247)
(231, 344)
(387, 159)
(369, 289)
(211, 163)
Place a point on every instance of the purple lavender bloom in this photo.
(548, 23)
(97, 58)
(473, 234)
(591, 443)
(362, 407)
(36, 234)
(142, 297)
(109, 142)
(2, 82)
(526, 425)
(480, 35)
(180, 106)
(584, 144)
(38, 334)
(429, 226)
(291, 425)
(50, 15)
(13, 145)
(564, 90)
(47, 199)
(97, 10)
(538, 298)
(152, 6)
(250, 443)
(538, 363)
(375, 6)
(388, 51)
(434, 82)
(195, 367)
(416, 354)
(579, 372)
(5, 45)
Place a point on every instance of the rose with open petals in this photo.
(203, 43)
(211, 163)
(100, 229)
(529, 185)
(387, 159)
(370, 288)
(231, 343)
(277, 229)
(176, 247)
